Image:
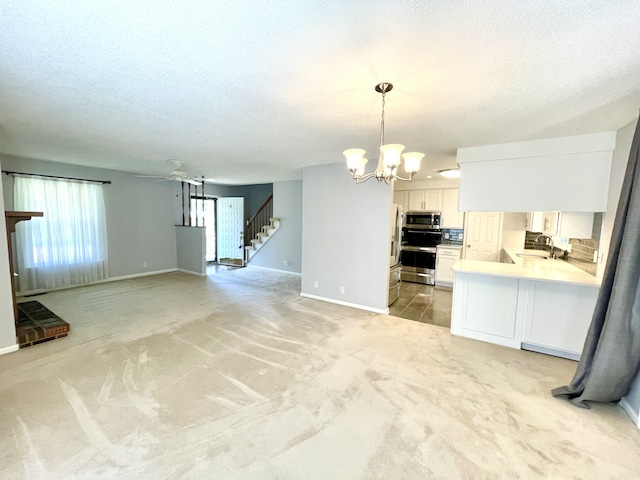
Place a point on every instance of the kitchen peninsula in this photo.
(534, 303)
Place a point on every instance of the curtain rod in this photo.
(107, 182)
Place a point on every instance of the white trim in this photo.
(347, 304)
(133, 275)
(191, 272)
(633, 415)
(106, 280)
(11, 349)
(275, 270)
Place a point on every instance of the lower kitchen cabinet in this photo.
(557, 318)
(545, 317)
(487, 308)
(446, 256)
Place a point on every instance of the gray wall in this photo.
(191, 247)
(141, 214)
(7, 321)
(345, 237)
(286, 243)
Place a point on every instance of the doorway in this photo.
(203, 214)
(230, 222)
(482, 234)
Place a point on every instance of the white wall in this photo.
(286, 243)
(7, 320)
(345, 237)
(141, 213)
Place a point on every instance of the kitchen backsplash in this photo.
(583, 250)
(452, 235)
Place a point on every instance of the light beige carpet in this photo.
(237, 377)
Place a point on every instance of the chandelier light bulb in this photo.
(391, 154)
(354, 158)
(412, 161)
(360, 169)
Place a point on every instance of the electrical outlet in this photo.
(315, 284)
(286, 263)
(145, 264)
(341, 289)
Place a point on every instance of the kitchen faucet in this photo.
(552, 255)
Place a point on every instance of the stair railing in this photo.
(259, 220)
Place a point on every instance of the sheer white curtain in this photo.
(66, 247)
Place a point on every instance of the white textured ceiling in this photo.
(252, 91)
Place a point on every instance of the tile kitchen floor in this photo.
(424, 303)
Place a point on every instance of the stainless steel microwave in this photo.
(422, 219)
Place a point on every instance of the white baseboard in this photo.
(633, 415)
(346, 304)
(11, 349)
(133, 275)
(191, 272)
(106, 280)
(274, 270)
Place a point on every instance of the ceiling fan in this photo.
(176, 174)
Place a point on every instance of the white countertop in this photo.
(545, 270)
(448, 245)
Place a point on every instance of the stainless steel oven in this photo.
(418, 256)
(419, 264)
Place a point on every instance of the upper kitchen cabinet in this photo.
(425, 200)
(443, 200)
(401, 197)
(557, 174)
(561, 224)
(534, 222)
(451, 216)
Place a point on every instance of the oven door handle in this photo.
(409, 248)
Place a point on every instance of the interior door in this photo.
(482, 235)
(230, 219)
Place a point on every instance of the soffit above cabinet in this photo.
(560, 174)
(592, 142)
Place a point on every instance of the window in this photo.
(68, 245)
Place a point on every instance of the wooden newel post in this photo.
(12, 218)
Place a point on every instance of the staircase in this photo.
(260, 228)
(261, 238)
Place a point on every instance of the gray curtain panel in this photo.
(611, 354)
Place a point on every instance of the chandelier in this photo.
(389, 157)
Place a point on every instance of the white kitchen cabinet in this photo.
(575, 225)
(561, 224)
(401, 197)
(534, 221)
(550, 223)
(433, 200)
(451, 217)
(557, 318)
(487, 308)
(446, 256)
(425, 199)
(518, 306)
(416, 200)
